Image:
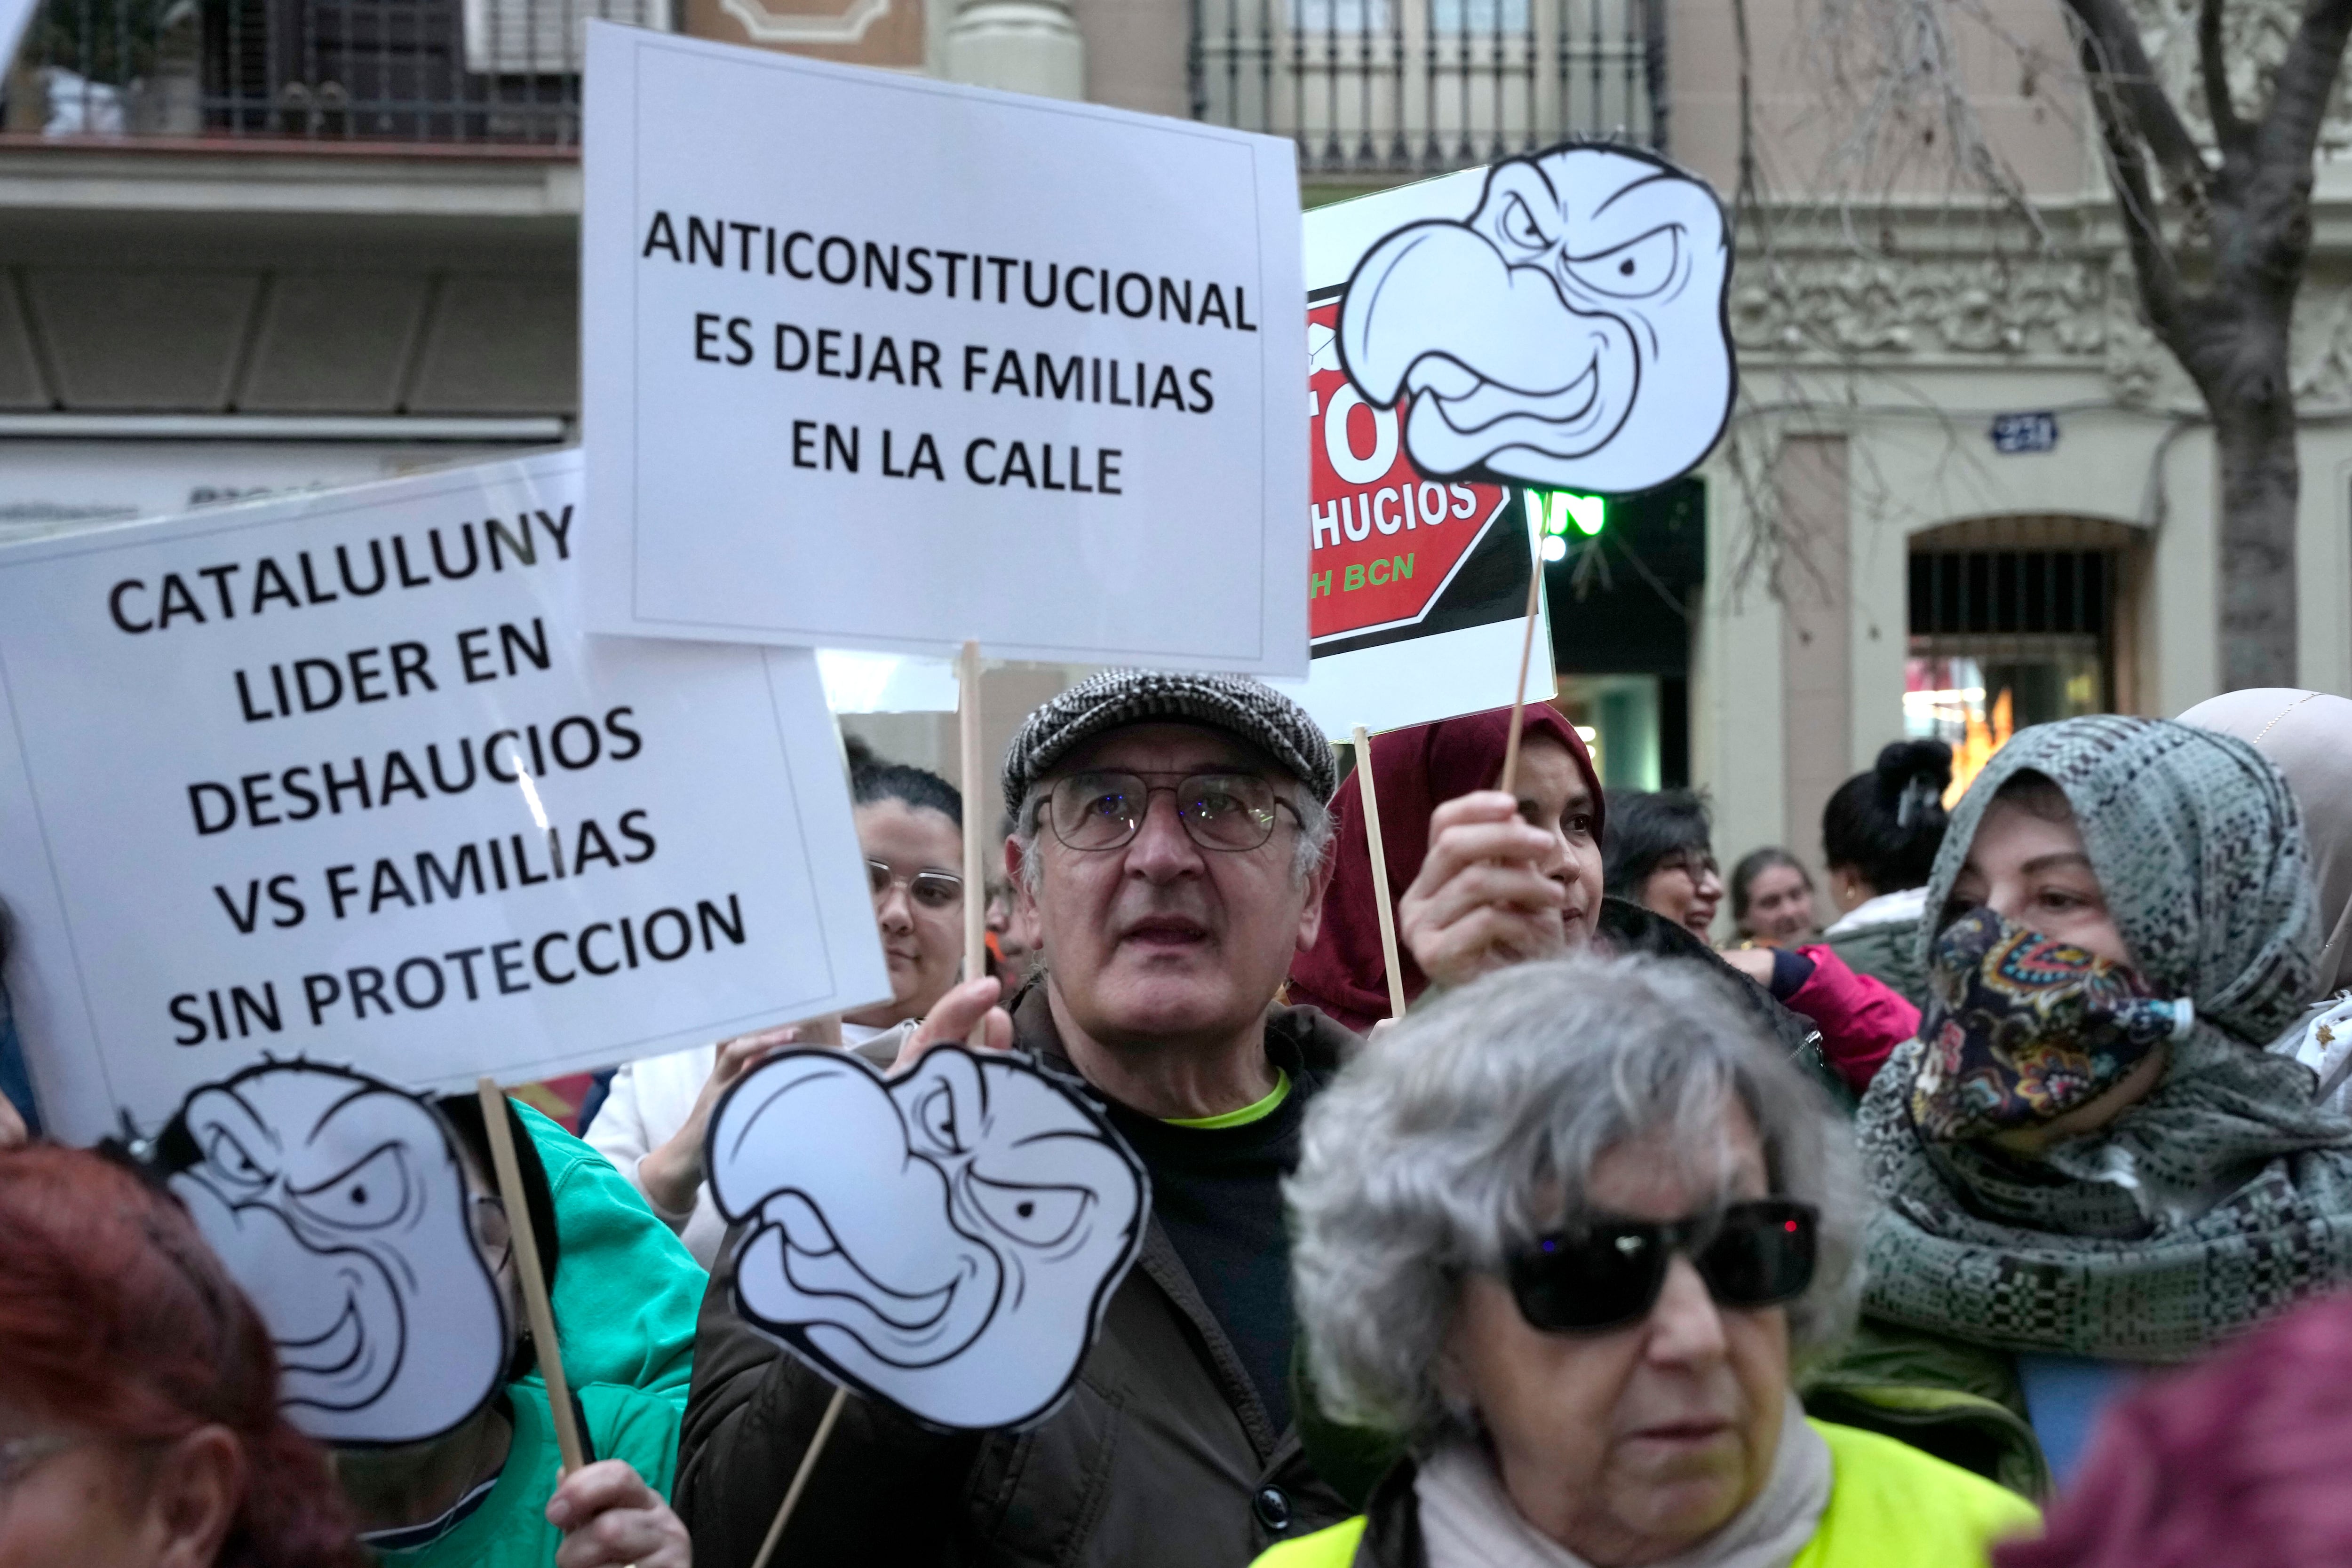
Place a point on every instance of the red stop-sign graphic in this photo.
(1386, 538)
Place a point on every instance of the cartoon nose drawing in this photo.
(947, 1240)
(1570, 331)
(339, 1204)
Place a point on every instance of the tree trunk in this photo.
(2260, 483)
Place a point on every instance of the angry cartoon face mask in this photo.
(945, 1239)
(1568, 331)
(340, 1205)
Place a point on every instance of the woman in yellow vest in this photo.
(1568, 1234)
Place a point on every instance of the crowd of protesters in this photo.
(2002, 1192)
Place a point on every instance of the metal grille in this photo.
(409, 71)
(1411, 87)
(2011, 592)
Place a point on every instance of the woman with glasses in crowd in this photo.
(910, 826)
(1569, 1232)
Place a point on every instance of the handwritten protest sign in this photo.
(939, 365)
(343, 777)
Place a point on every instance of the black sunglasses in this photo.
(1608, 1273)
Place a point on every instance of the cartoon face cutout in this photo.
(947, 1240)
(1568, 332)
(339, 1204)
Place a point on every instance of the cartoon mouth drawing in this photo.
(1570, 331)
(947, 1240)
(339, 1204)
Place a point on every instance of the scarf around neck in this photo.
(2223, 1196)
(1468, 1521)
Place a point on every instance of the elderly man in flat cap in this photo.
(1170, 842)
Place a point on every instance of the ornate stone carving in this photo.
(1843, 306)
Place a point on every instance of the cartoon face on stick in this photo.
(339, 1204)
(1568, 332)
(945, 1239)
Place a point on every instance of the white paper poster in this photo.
(873, 361)
(343, 777)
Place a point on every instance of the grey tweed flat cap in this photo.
(1246, 708)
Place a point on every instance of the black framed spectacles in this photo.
(924, 889)
(1227, 812)
(1608, 1273)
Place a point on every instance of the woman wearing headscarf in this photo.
(2308, 736)
(1482, 880)
(2087, 1162)
(1415, 773)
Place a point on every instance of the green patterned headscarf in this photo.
(2221, 1197)
(2198, 846)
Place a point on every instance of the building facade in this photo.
(250, 246)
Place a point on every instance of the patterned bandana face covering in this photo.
(2021, 1029)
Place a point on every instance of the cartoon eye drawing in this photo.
(369, 1195)
(229, 1159)
(1519, 226)
(358, 1249)
(1571, 330)
(874, 1250)
(936, 1116)
(1631, 271)
(1038, 1216)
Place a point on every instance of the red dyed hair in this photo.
(116, 1319)
(2239, 1459)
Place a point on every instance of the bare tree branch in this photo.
(2120, 65)
(2152, 261)
(2229, 130)
(2306, 80)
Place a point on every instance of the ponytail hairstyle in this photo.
(1887, 825)
(117, 1320)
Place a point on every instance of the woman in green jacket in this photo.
(1567, 1232)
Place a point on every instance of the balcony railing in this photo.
(490, 72)
(1415, 86)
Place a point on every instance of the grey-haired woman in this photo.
(1566, 1233)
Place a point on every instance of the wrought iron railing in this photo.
(1410, 87)
(358, 70)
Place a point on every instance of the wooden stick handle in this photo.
(536, 1306)
(1520, 693)
(1380, 871)
(801, 1476)
(975, 834)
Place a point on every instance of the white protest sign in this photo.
(14, 14)
(1417, 586)
(871, 361)
(343, 777)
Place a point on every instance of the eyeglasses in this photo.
(1609, 1273)
(1698, 867)
(1229, 813)
(924, 889)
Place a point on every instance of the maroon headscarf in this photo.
(1415, 771)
